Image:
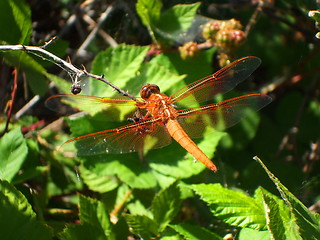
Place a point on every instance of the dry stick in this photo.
(104, 35)
(253, 18)
(75, 73)
(93, 33)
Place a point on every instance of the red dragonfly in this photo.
(159, 116)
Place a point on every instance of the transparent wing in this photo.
(91, 103)
(129, 138)
(220, 115)
(220, 82)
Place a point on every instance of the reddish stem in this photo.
(11, 104)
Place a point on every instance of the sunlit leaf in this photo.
(16, 21)
(18, 220)
(142, 225)
(13, 152)
(118, 65)
(309, 226)
(248, 233)
(178, 18)
(93, 212)
(234, 208)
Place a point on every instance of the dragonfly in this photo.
(160, 117)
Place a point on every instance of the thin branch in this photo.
(93, 33)
(75, 73)
(12, 101)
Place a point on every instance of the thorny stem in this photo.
(75, 73)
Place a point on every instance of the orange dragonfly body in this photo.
(160, 116)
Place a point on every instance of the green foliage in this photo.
(16, 21)
(175, 20)
(48, 192)
(193, 232)
(18, 220)
(234, 208)
(13, 152)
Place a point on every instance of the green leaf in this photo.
(64, 85)
(159, 71)
(18, 221)
(192, 232)
(92, 212)
(149, 12)
(127, 167)
(166, 205)
(119, 65)
(137, 208)
(176, 162)
(248, 233)
(309, 227)
(96, 182)
(142, 225)
(178, 18)
(37, 81)
(82, 232)
(13, 152)
(234, 208)
(276, 215)
(34, 71)
(15, 21)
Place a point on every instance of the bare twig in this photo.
(75, 73)
(253, 18)
(93, 33)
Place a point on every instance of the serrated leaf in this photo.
(92, 212)
(142, 225)
(234, 208)
(309, 227)
(13, 152)
(166, 205)
(97, 182)
(192, 232)
(119, 65)
(81, 232)
(16, 20)
(18, 221)
(275, 215)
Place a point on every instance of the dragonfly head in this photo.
(149, 89)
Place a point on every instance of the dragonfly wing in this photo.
(129, 138)
(220, 115)
(90, 103)
(220, 82)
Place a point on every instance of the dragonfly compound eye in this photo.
(149, 89)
